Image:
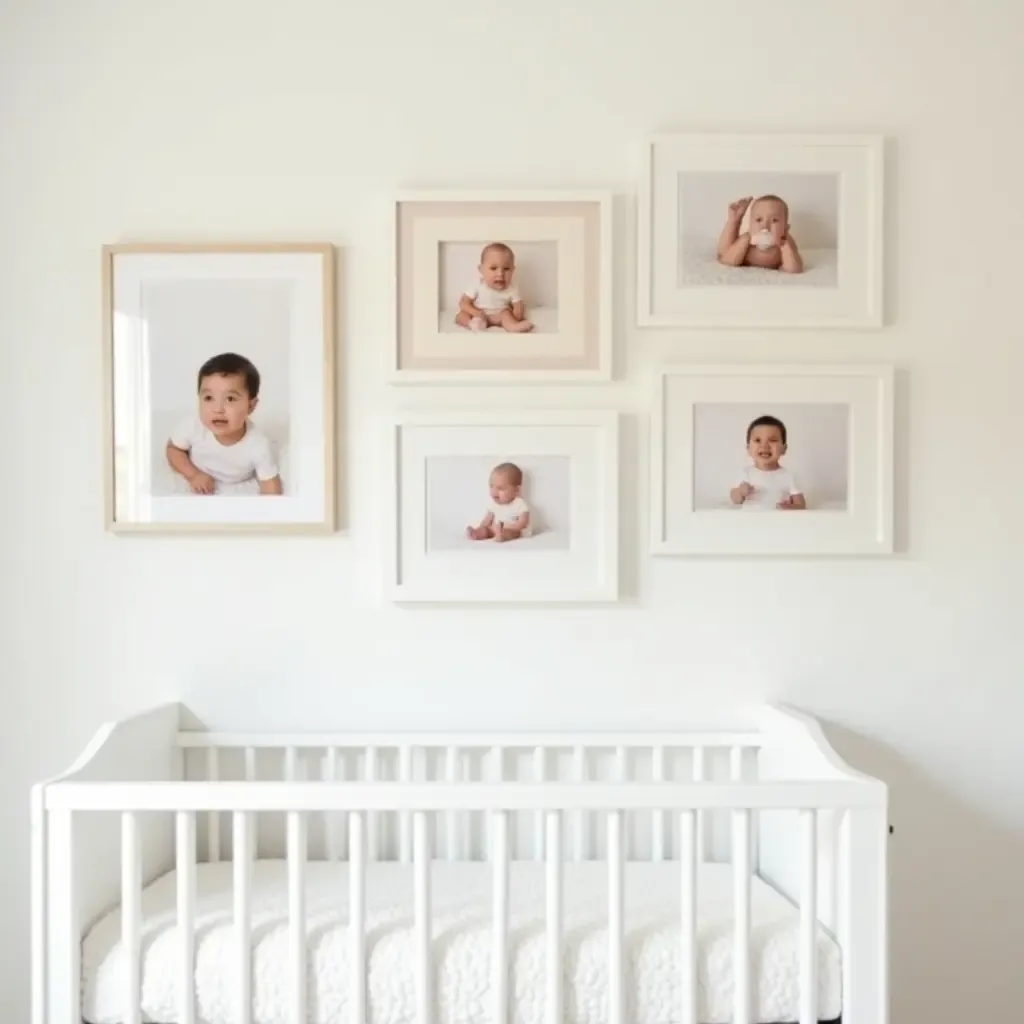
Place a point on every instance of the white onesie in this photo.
(509, 515)
(490, 300)
(230, 465)
(770, 486)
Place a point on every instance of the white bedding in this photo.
(461, 908)
(700, 269)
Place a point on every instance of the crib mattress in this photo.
(461, 894)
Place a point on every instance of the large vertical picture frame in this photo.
(545, 317)
(219, 365)
(761, 231)
(772, 460)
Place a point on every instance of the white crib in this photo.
(191, 877)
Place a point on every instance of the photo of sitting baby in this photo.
(494, 300)
(507, 515)
(766, 484)
(768, 241)
(218, 449)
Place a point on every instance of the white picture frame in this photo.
(842, 448)
(562, 241)
(172, 312)
(441, 463)
(833, 188)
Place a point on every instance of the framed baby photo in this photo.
(504, 507)
(767, 231)
(219, 387)
(503, 287)
(772, 460)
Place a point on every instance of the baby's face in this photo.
(224, 403)
(765, 447)
(769, 215)
(497, 269)
(503, 490)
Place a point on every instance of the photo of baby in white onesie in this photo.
(765, 484)
(493, 300)
(507, 514)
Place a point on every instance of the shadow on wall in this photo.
(956, 905)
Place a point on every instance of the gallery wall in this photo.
(232, 120)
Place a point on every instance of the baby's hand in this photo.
(745, 490)
(202, 483)
(737, 209)
(499, 533)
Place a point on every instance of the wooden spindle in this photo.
(297, 917)
(808, 917)
(553, 915)
(616, 918)
(451, 775)
(421, 899)
(185, 869)
(357, 915)
(579, 774)
(741, 912)
(658, 845)
(499, 943)
(405, 774)
(242, 898)
(688, 916)
(539, 775)
(212, 817)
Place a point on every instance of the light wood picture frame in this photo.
(449, 468)
(819, 199)
(559, 250)
(772, 460)
(219, 396)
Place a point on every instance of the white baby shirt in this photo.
(770, 486)
(509, 515)
(490, 300)
(226, 463)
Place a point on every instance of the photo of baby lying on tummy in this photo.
(766, 484)
(507, 516)
(494, 300)
(768, 241)
(218, 450)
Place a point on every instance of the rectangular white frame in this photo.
(459, 227)
(858, 159)
(866, 528)
(445, 583)
(311, 267)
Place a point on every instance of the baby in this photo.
(766, 484)
(508, 515)
(218, 449)
(494, 301)
(768, 243)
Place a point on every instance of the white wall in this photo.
(248, 119)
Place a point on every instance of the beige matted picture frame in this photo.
(219, 387)
(502, 287)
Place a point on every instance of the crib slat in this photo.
(497, 774)
(579, 774)
(741, 913)
(688, 916)
(329, 773)
(291, 764)
(131, 915)
(451, 774)
(658, 851)
(808, 917)
(404, 817)
(213, 817)
(250, 776)
(421, 860)
(371, 773)
(297, 916)
(699, 772)
(357, 915)
(616, 921)
(553, 914)
(499, 946)
(242, 891)
(185, 865)
(539, 775)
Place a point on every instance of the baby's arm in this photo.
(793, 501)
(198, 481)
(268, 476)
(740, 493)
(468, 306)
(792, 261)
(732, 246)
(271, 486)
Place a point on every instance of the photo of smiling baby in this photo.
(768, 241)
(494, 300)
(507, 515)
(217, 449)
(776, 457)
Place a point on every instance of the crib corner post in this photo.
(863, 916)
(56, 914)
(38, 896)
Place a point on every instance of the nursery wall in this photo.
(252, 119)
